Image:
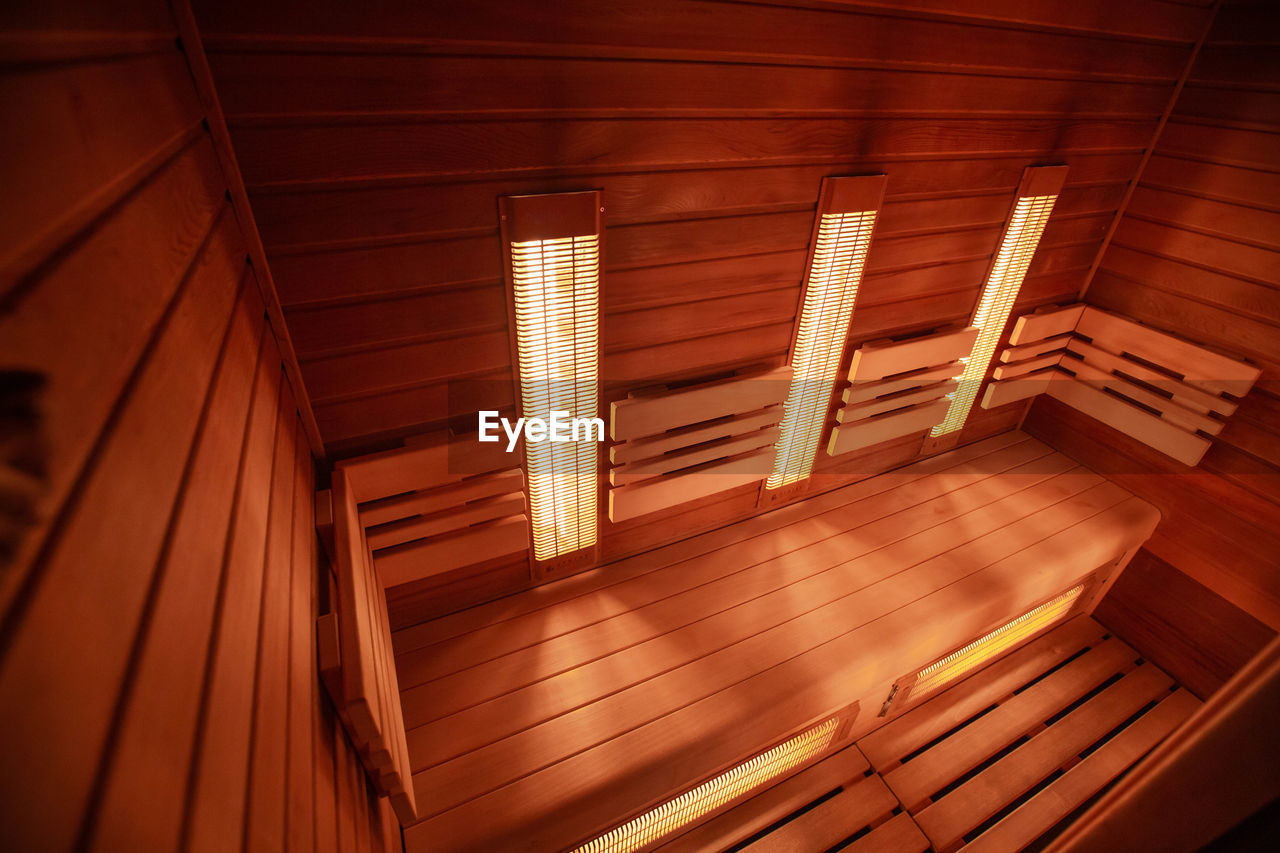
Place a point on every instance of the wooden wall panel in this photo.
(1196, 253)
(157, 665)
(375, 146)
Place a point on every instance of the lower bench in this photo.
(551, 718)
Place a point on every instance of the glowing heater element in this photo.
(743, 779)
(555, 284)
(847, 216)
(1021, 236)
(989, 646)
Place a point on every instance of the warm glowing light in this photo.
(839, 253)
(556, 296)
(991, 645)
(714, 793)
(1020, 240)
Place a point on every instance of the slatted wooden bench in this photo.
(438, 504)
(1168, 393)
(677, 445)
(997, 761)
(546, 719)
(899, 387)
(994, 763)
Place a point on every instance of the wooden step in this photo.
(992, 732)
(899, 834)
(977, 799)
(831, 821)
(915, 727)
(1069, 791)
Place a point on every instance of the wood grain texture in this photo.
(374, 153)
(537, 714)
(374, 147)
(999, 758)
(155, 648)
(1195, 255)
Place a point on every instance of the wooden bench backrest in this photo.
(899, 387)
(679, 445)
(437, 505)
(358, 661)
(1163, 391)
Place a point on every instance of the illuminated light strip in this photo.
(733, 784)
(1021, 236)
(835, 271)
(555, 293)
(990, 645)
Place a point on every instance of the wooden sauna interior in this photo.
(261, 589)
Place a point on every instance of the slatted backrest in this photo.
(439, 504)
(1166, 392)
(678, 445)
(366, 690)
(899, 387)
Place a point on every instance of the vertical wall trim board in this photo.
(1149, 151)
(202, 76)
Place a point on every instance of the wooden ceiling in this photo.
(374, 146)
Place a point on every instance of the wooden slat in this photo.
(265, 821)
(865, 433)
(652, 414)
(274, 154)
(394, 745)
(1020, 368)
(627, 502)
(985, 794)
(1048, 324)
(218, 790)
(792, 685)
(876, 361)
(1067, 793)
(1199, 367)
(458, 624)
(87, 372)
(1036, 348)
(60, 730)
(646, 448)
(881, 405)
(772, 804)
(1171, 440)
(708, 618)
(862, 391)
(440, 458)
(160, 713)
(570, 604)
(442, 498)
(924, 723)
(1169, 410)
(970, 746)
(1187, 395)
(831, 821)
(641, 470)
(760, 626)
(78, 159)
(416, 560)
(421, 527)
(355, 629)
(897, 835)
